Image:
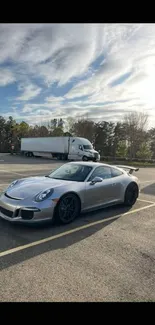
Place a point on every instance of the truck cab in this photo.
(82, 149)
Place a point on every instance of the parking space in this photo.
(106, 255)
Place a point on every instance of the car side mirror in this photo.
(96, 180)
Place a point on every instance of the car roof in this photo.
(89, 163)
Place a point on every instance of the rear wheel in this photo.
(131, 194)
(68, 208)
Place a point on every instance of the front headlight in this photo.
(43, 195)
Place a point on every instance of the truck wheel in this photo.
(84, 158)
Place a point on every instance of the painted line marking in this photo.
(10, 172)
(42, 241)
(141, 200)
(28, 175)
(151, 181)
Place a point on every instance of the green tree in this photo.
(2, 134)
(57, 132)
(144, 151)
(83, 128)
(151, 140)
(10, 136)
(136, 130)
(122, 149)
(69, 123)
(118, 136)
(103, 137)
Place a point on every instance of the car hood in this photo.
(29, 187)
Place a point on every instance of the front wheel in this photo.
(84, 158)
(131, 194)
(68, 209)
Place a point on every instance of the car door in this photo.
(118, 184)
(103, 192)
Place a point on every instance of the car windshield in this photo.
(88, 147)
(71, 172)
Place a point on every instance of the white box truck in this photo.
(63, 148)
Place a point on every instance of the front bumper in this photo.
(92, 158)
(26, 212)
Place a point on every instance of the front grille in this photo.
(6, 212)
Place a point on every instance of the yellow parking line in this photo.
(42, 241)
(11, 172)
(146, 201)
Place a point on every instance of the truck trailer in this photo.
(62, 148)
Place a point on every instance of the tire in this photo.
(62, 214)
(84, 158)
(59, 157)
(131, 194)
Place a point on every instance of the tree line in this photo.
(129, 138)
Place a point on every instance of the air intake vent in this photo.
(6, 212)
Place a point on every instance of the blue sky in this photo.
(101, 71)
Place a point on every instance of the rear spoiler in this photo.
(130, 169)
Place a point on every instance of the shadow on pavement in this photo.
(15, 235)
(149, 190)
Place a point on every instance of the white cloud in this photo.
(54, 100)
(6, 77)
(29, 92)
(59, 53)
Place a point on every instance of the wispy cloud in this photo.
(28, 92)
(110, 68)
(6, 77)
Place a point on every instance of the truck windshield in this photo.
(71, 172)
(88, 147)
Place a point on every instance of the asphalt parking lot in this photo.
(107, 255)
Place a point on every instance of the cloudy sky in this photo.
(57, 70)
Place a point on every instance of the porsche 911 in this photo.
(71, 189)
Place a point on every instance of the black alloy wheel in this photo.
(68, 208)
(131, 194)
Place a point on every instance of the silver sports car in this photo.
(72, 188)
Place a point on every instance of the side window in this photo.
(103, 172)
(80, 147)
(116, 172)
